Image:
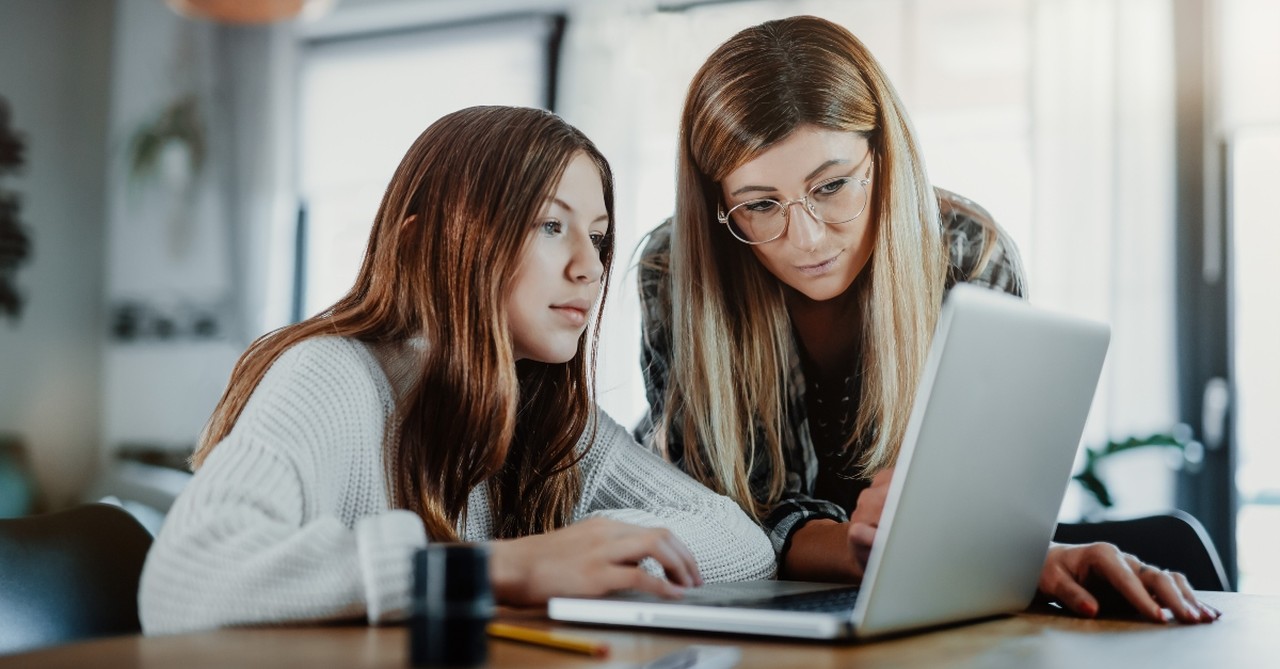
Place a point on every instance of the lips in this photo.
(820, 268)
(574, 311)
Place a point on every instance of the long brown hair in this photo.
(729, 320)
(449, 234)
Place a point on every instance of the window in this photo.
(1256, 329)
(1040, 112)
(363, 102)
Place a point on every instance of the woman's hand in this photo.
(865, 519)
(1149, 589)
(594, 557)
(824, 550)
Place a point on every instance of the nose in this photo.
(804, 230)
(585, 265)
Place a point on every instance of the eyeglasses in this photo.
(834, 201)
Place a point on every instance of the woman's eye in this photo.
(552, 228)
(831, 187)
(597, 240)
(760, 206)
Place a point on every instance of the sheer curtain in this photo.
(1248, 121)
(1102, 236)
(1056, 115)
(257, 69)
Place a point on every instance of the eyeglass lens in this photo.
(834, 201)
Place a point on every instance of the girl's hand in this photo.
(1148, 589)
(594, 557)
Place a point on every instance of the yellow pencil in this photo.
(548, 639)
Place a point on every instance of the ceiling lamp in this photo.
(250, 11)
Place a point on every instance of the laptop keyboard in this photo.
(823, 601)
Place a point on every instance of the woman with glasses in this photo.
(447, 397)
(790, 302)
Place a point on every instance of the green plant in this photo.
(179, 123)
(1179, 438)
(18, 494)
(167, 154)
(15, 245)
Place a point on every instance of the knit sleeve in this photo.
(624, 481)
(258, 537)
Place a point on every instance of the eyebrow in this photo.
(565, 206)
(829, 163)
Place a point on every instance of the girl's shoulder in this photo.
(325, 378)
(333, 360)
(604, 441)
(322, 405)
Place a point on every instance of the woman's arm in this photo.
(827, 550)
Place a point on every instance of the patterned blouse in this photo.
(820, 481)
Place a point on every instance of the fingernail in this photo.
(1195, 610)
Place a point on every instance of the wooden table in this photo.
(1248, 635)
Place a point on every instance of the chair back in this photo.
(1173, 540)
(69, 575)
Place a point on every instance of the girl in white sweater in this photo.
(446, 397)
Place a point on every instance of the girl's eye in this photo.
(552, 227)
(597, 240)
(831, 187)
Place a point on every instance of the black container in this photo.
(452, 605)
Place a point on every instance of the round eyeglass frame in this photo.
(723, 216)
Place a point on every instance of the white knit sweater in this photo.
(289, 520)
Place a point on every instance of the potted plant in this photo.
(168, 150)
(15, 245)
(17, 488)
(1179, 438)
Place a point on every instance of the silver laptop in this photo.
(974, 499)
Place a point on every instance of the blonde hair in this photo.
(731, 333)
(448, 236)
